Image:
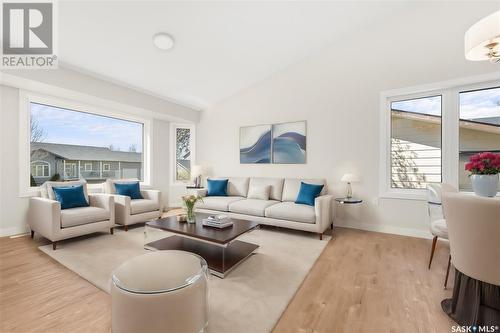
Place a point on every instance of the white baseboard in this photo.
(387, 229)
(13, 231)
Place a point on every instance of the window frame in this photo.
(173, 149)
(450, 108)
(106, 167)
(85, 167)
(401, 99)
(28, 97)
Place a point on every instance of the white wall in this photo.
(13, 207)
(337, 91)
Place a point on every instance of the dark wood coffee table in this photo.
(219, 247)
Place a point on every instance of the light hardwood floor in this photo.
(363, 282)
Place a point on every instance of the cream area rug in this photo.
(251, 298)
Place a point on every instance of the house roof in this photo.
(86, 153)
(489, 124)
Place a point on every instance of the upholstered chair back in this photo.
(474, 230)
(47, 192)
(434, 201)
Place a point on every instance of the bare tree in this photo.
(38, 133)
(132, 148)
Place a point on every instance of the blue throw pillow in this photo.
(131, 190)
(307, 193)
(70, 196)
(217, 188)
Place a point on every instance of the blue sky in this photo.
(79, 128)
(473, 105)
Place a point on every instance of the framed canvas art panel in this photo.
(255, 144)
(289, 143)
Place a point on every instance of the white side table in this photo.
(348, 201)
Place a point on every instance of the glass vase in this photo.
(191, 218)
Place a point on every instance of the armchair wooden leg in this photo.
(447, 272)
(320, 236)
(331, 226)
(125, 227)
(32, 234)
(434, 241)
(111, 230)
(54, 246)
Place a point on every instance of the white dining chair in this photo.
(474, 231)
(438, 226)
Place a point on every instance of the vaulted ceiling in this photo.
(220, 47)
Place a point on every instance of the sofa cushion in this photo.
(138, 206)
(260, 192)
(291, 187)
(46, 190)
(83, 215)
(131, 190)
(236, 186)
(291, 211)
(254, 207)
(217, 188)
(70, 196)
(275, 183)
(308, 193)
(217, 203)
(109, 185)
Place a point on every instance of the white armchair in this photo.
(46, 217)
(128, 211)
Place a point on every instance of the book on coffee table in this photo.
(217, 221)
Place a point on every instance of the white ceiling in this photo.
(224, 47)
(221, 47)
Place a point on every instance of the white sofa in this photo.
(46, 217)
(128, 211)
(280, 210)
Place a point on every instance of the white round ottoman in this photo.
(164, 291)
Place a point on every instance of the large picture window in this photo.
(66, 144)
(479, 129)
(429, 133)
(416, 142)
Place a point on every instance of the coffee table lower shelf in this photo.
(221, 260)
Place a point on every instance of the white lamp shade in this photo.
(197, 170)
(484, 32)
(349, 178)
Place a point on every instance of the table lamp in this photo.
(197, 171)
(349, 178)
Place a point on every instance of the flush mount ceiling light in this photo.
(482, 40)
(163, 41)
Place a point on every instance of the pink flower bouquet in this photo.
(484, 164)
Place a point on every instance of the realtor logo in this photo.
(28, 35)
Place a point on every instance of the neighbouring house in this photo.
(417, 140)
(95, 164)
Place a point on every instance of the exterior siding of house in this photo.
(424, 140)
(71, 169)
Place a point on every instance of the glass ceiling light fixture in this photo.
(482, 40)
(163, 41)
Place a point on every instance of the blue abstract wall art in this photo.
(289, 143)
(255, 144)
